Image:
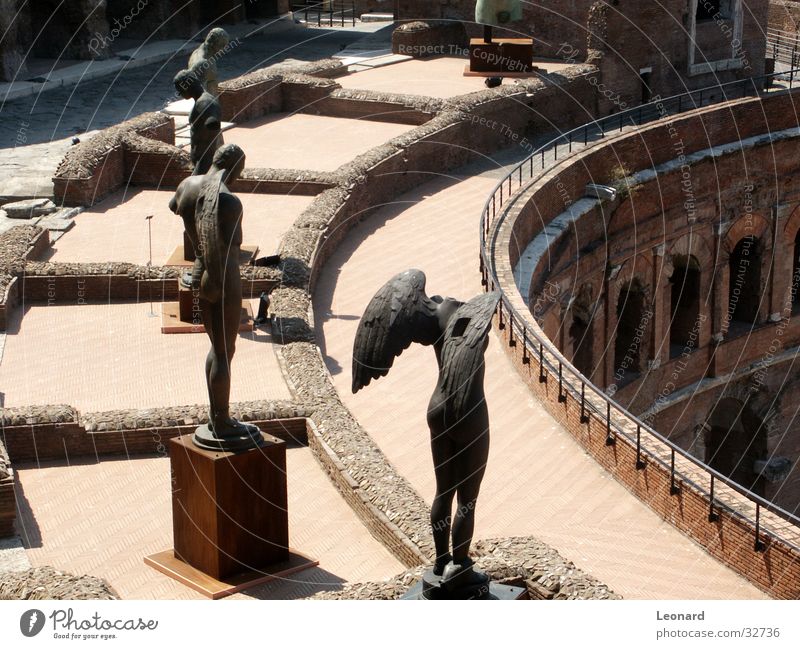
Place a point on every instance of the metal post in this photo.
(713, 517)
(759, 545)
(610, 439)
(511, 341)
(639, 462)
(149, 219)
(561, 396)
(525, 358)
(584, 417)
(674, 489)
(542, 377)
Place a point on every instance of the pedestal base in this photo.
(167, 563)
(171, 322)
(428, 588)
(184, 256)
(504, 56)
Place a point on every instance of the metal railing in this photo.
(619, 422)
(327, 12)
(783, 46)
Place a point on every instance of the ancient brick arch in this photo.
(792, 227)
(748, 225)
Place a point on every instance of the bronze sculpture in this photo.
(497, 13)
(401, 313)
(203, 61)
(205, 120)
(213, 220)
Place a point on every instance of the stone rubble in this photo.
(48, 583)
(30, 208)
(518, 561)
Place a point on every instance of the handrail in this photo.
(328, 7)
(542, 348)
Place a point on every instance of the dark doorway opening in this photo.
(685, 305)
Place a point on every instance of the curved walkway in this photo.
(539, 481)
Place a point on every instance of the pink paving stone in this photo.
(104, 518)
(309, 141)
(539, 481)
(440, 77)
(100, 357)
(116, 229)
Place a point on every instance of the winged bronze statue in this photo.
(401, 313)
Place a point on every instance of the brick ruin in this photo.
(642, 49)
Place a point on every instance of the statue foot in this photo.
(440, 564)
(230, 427)
(463, 576)
(228, 434)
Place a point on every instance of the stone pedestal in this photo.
(229, 517)
(503, 56)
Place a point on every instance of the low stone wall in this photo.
(57, 433)
(93, 169)
(518, 561)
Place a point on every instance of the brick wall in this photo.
(66, 441)
(731, 539)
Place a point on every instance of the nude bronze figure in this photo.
(205, 121)
(399, 314)
(212, 217)
(203, 61)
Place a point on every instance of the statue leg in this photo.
(218, 373)
(443, 450)
(471, 467)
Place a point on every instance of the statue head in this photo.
(188, 85)
(217, 40)
(231, 158)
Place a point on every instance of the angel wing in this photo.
(399, 314)
(462, 352)
(208, 234)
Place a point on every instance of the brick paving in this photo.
(309, 141)
(100, 357)
(116, 229)
(441, 77)
(538, 481)
(103, 518)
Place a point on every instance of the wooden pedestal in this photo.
(184, 317)
(229, 517)
(501, 56)
(229, 510)
(184, 255)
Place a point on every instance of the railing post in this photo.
(759, 545)
(713, 517)
(500, 325)
(584, 417)
(542, 377)
(674, 489)
(639, 462)
(525, 358)
(610, 439)
(511, 341)
(561, 396)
